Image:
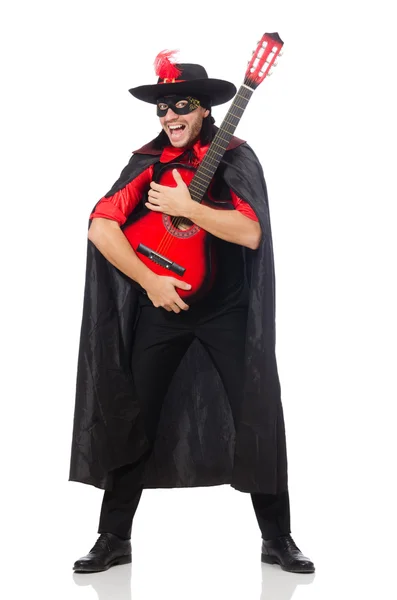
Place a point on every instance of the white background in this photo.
(324, 127)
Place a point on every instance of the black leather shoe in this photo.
(108, 551)
(284, 552)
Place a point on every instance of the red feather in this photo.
(163, 67)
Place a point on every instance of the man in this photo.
(172, 394)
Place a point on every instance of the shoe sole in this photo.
(271, 560)
(121, 560)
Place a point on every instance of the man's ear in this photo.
(207, 112)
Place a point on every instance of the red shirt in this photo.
(119, 206)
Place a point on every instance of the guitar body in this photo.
(181, 242)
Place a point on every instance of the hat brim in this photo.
(218, 90)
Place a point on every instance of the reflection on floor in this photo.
(116, 583)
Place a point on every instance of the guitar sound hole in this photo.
(181, 223)
(180, 227)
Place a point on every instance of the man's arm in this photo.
(108, 238)
(229, 225)
(109, 214)
(105, 233)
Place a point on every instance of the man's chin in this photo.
(189, 141)
(179, 143)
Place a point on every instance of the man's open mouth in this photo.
(176, 130)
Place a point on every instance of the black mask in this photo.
(186, 105)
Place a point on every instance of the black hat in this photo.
(190, 79)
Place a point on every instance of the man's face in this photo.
(182, 129)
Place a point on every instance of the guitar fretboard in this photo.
(202, 178)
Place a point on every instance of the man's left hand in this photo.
(173, 201)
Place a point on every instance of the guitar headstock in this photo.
(263, 59)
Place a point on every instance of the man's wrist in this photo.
(147, 279)
(194, 210)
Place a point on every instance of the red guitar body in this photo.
(187, 246)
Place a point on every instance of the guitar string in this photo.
(211, 171)
(163, 246)
(209, 155)
(168, 237)
(201, 188)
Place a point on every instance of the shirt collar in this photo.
(170, 153)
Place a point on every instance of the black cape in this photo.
(197, 443)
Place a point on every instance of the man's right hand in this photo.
(161, 291)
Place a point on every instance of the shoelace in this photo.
(289, 543)
(101, 543)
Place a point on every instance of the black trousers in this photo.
(161, 340)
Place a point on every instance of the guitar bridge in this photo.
(161, 260)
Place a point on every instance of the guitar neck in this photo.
(202, 178)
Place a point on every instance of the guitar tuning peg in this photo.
(270, 72)
(281, 53)
(275, 63)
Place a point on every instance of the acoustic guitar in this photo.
(174, 245)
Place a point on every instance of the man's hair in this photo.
(207, 134)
